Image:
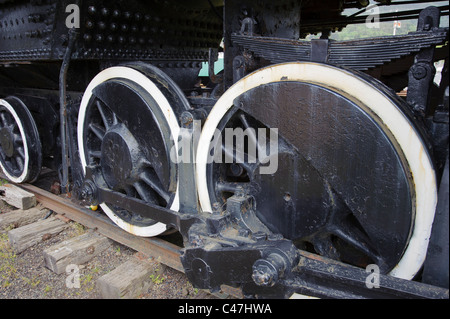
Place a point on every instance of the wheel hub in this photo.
(120, 156)
(7, 141)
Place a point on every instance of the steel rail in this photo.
(165, 252)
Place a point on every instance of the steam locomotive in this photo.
(303, 163)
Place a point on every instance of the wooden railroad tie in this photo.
(77, 250)
(29, 235)
(17, 197)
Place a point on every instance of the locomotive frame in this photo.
(106, 103)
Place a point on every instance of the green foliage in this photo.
(8, 271)
(359, 31)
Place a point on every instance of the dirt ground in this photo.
(24, 275)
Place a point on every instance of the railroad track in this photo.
(165, 251)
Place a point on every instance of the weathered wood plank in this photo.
(17, 197)
(26, 236)
(17, 218)
(77, 251)
(127, 281)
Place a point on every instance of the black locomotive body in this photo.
(308, 165)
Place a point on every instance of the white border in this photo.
(342, 81)
(25, 172)
(169, 115)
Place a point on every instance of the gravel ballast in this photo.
(24, 275)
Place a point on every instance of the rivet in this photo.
(127, 15)
(116, 13)
(87, 37)
(105, 11)
(114, 27)
(92, 10)
(99, 38)
(89, 24)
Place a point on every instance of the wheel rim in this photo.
(398, 128)
(20, 146)
(133, 152)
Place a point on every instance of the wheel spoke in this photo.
(230, 154)
(3, 119)
(356, 238)
(130, 191)
(229, 187)
(143, 192)
(359, 240)
(250, 131)
(97, 130)
(18, 138)
(103, 113)
(152, 180)
(13, 163)
(115, 120)
(19, 162)
(21, 151)
(323, 244)
(15, 128)
(95, 154)
(344, 225)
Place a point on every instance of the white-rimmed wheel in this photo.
(353, 178)
(127, 127)
(20, 145)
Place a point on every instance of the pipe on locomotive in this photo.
(63, 110)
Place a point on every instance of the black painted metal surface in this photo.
(147, 30)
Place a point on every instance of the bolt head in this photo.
(419, 72)
(264, 275)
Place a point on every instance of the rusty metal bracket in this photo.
(422, 72)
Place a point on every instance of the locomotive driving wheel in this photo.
(20, 145)
(350, 176)
(127, 128)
